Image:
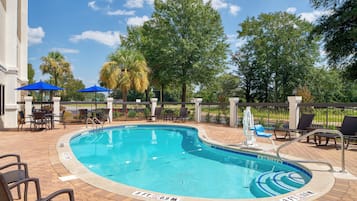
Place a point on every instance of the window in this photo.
(2, 99)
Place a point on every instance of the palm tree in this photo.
(125, 70)
(57, 67)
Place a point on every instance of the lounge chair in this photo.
(183, 115)
(348, 130)
(14, 171)
(5, 194)
(304, 126)
(259, 131)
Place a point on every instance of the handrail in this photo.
(89, 119)
(313, 161)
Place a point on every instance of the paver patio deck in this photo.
(38, 149)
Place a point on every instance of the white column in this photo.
(233, 111)
(56, 108)
(294, 111)
(198, 109)
(153, 106)
(110, 107)
(28, 106)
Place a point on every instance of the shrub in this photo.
(131, 114)
(208, 117)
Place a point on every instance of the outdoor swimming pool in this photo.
(173, 160)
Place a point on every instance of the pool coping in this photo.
(321, 183)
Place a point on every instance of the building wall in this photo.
(13, 57)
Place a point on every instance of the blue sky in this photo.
(87, 31)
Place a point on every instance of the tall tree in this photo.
(189, 42)
(339, 30)
(56, 66)
(276, 56)
(30, 73)
(125, 70)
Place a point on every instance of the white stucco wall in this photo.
(13, 57)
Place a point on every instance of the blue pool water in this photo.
(172, 160)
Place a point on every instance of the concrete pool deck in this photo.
(39, 150)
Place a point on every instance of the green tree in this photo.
(325, 85)
(71, 86)
(276, 56)
(30, 73)
(56, 66)
(339, 31)
(125, 70)
(188, 43)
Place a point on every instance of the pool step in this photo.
(270, 183)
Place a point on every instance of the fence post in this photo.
(153, 107)
(28, 106)
(56, 108)
(110, 107)
(198, 109)
(294, 111)
(233, 111)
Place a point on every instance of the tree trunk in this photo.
(162, 95)
(183, 96)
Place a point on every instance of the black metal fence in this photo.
(327, 115)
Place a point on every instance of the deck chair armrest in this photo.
(24, 165)
(58, 193)
(26, 181)
(11, 155)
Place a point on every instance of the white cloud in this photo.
(312, 16)
(134, 3)
(137, 21)
(121, 12)
(291, 10)
(234, 9)
(109, 38)
(218, 4)
(92, 5)
(35, 35)
(65, 50)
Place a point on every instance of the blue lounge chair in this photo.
(259, 131)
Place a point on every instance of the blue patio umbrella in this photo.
(40, 86)
(95, 89)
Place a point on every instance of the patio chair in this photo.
(259, 131)
(21, 120)
(5, 190)
(39, 119)
(183, 115)
(303, 127)
(14, 171)
(83, 114)
(348, 129)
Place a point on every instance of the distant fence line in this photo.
(327, 115)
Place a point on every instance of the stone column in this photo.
(28, 107)
(198, 109)
(56, 108)
(233, 111)
(294, 111)
(110, 107)
(153, 107)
